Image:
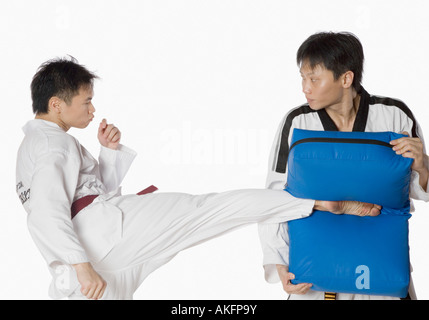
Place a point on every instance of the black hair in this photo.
(61, 77)
(337, 52)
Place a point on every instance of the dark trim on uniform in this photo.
(399, 104)
(361, 117)
(328, 124)
(283, 153)
(362, 114)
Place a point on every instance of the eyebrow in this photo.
(307, 74)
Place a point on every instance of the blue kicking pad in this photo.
(344, 253)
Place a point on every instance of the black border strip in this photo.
(342, 140)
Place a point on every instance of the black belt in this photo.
(330, 296)
(333, 296)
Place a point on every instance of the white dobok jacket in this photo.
(49, 157)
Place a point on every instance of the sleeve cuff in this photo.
(270, 269)
(123, 153)
(72, 258)
(270, 273)
(417, 192)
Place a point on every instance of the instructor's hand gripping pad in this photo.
(344, 253)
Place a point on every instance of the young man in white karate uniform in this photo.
(98, 243)
(331, 66)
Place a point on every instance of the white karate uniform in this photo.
(124, 237)
(375, 114)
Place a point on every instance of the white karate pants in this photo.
(157, 226)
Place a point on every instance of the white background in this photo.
(198, 89)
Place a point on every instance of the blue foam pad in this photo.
(351, 254)
(361, 166)
(344, 253)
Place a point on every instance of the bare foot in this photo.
(351, 207)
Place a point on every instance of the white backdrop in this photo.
(198, 89)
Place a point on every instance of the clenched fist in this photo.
(108, 135)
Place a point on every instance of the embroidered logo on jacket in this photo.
(23, 195)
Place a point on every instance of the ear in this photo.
(347, 79)
(54, 104)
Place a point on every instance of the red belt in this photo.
(81, 203)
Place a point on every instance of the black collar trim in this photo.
(361, 117)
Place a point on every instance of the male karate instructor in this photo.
(331, 67)
(96, 242)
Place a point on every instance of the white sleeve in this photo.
(114, 165)
(274, 240)
(416, 190)
(52, 190)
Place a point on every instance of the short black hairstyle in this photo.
(61, 77)
(337, 52)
